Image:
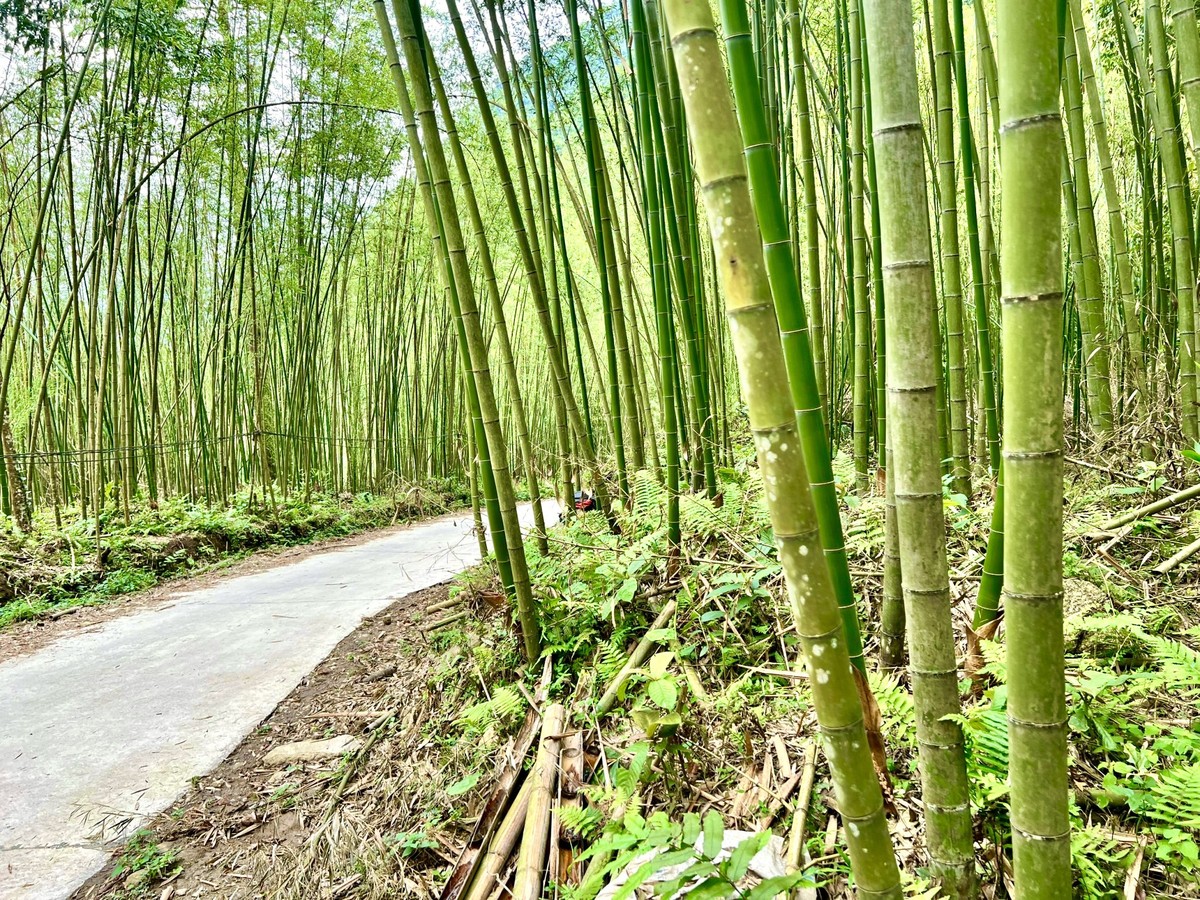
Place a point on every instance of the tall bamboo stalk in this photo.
(789, 311)
(916, 470)
(755, 331)
(1031, 268)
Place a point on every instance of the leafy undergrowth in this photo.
(49, 570)
(711, 735)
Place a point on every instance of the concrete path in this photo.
(104, 728)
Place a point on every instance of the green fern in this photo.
(647, 494)
(896, 707)
(610, 657)
(1179, 665)
(1099, 863)
(985, 730)
(1174, 797)
(583, 821)
(505, 704)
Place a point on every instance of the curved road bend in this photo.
(104, 728)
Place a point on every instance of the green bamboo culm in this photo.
(480, 455)
(812, 225)
(533, 274)
(1088, 289)
(983, 339)
(789, 309)
(912, 362)
(604, 265)
(1187, 43)
(860, 303)
(1031, 138)
(495, 303)
(652, 153)
(737, 244)
(956, 384)
(1112, 199)
(987, 601)
(1182, 255)
(407, 23)
(891, 608)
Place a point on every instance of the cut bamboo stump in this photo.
(562, 844)
(532, 857)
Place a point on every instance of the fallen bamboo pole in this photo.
(512, 766)
(501, 846)
(448, 620)
(446, 604)
(531, 859)
(1190, 550)
(640, 652)
(1151, 508)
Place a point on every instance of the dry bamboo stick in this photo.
(510, 769)
(777, 805)
(532, 856)
(501, 846)
(1113, 473)
(781, 758)
(640, 652)
(1190, 550)
(1124, 532)
(800, 817)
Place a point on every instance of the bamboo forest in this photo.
(599, 449)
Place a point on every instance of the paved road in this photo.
(104, 728)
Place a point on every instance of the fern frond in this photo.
(1175, 797)
(505, 703)
(610, 657)
(986, 733)
(583, 821)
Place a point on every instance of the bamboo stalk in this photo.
(1151, 508)
(501, 846)
(1184, 554)
(532, 857)
(640, 652)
